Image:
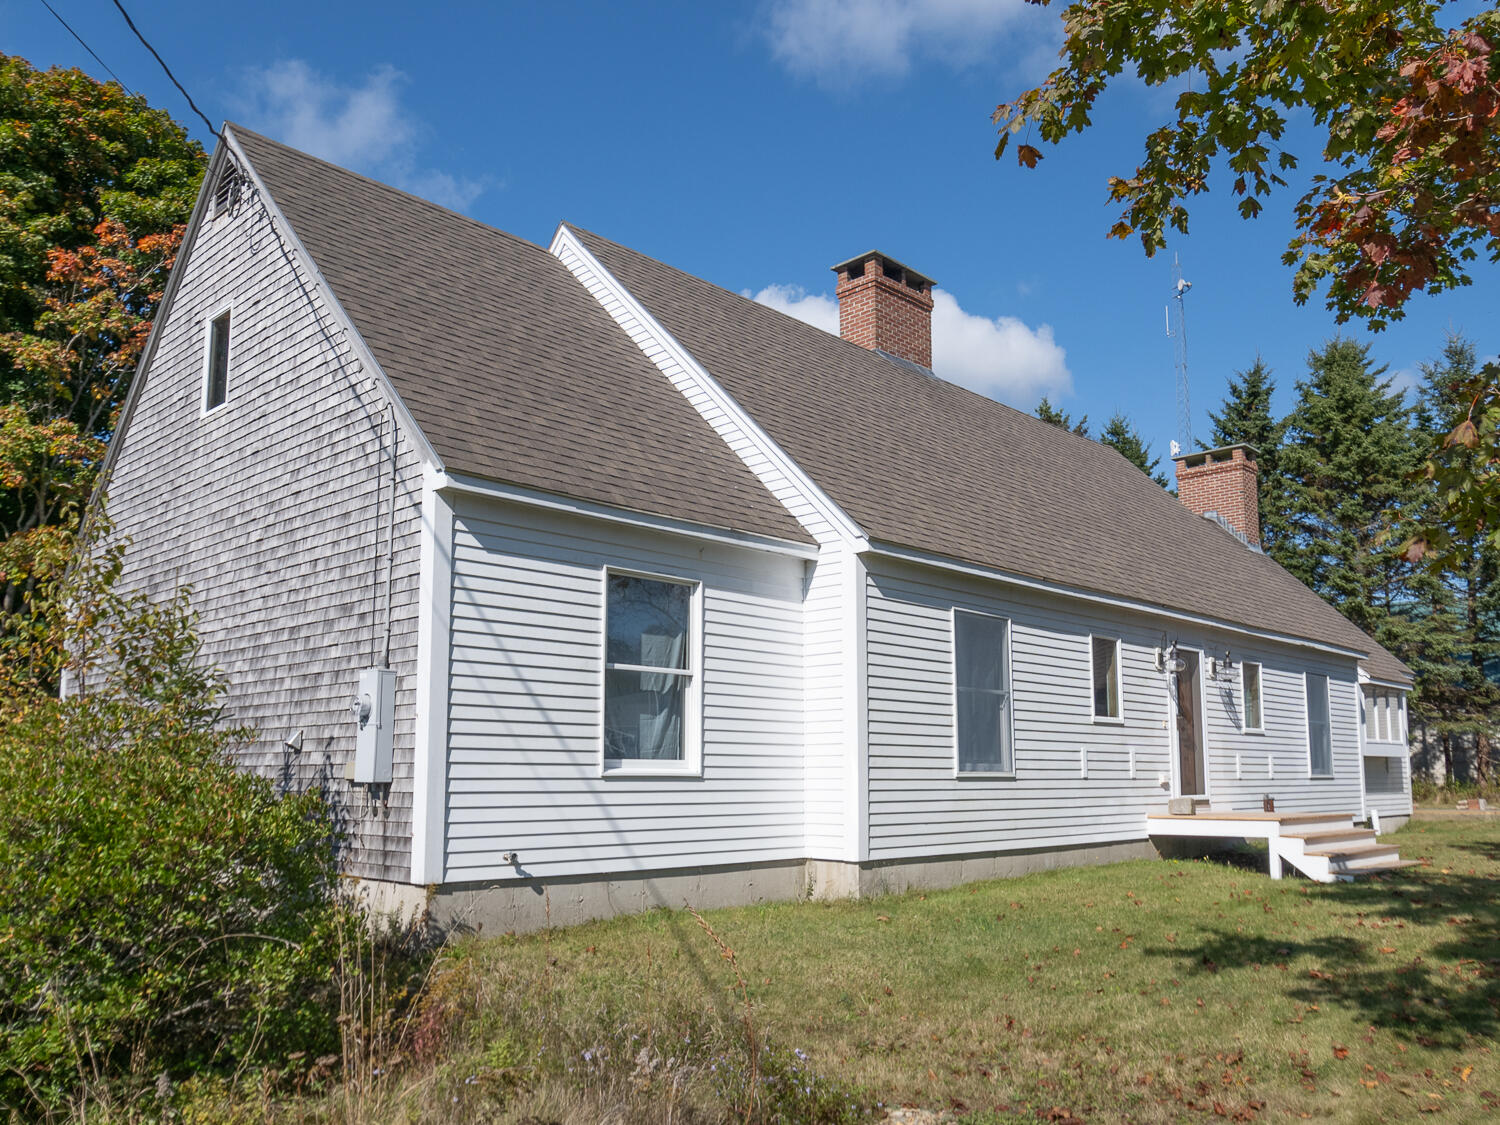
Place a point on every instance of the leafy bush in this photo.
(161, 912)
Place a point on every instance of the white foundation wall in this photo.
(524, 723)
(1077, 781)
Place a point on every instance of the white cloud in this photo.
(845, 41)
(817, 309)
(363, 126)
(1003, 357)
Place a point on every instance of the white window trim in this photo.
(204, 410)
(1260, 679)
(1111, 720)
(1307, 727)
(691, 764)
(1010, 681)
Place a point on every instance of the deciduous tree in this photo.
(95, 187)
(1404, 102)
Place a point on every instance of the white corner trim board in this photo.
(430, 752)
(730, 420)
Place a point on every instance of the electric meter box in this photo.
(374, 710)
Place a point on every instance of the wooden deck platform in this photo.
(1325, 846)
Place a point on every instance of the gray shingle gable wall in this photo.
(276, 509)
(513, 372)
(922, 463)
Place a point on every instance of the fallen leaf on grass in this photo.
(1340, 1052)
(1387, 949)
(882, 918)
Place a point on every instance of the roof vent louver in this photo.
(228, 189)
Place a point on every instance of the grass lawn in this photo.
(1165, 991)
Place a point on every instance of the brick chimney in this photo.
(1222, 482)
(884, 306)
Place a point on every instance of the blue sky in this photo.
(756, 145)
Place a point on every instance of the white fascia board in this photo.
(340, 318)
(669, 352)
(1394, 685)
(534, 498)
(429, 797)
(922, 558)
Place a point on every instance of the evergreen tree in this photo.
(1061, 418)
(1119, 434)
(1349, 463)
(1246, 417)
(1463, 699)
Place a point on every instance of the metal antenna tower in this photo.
(1179, 356)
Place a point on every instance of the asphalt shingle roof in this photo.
(922, 463)
(511, 369)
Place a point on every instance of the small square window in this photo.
(1106, 660)
(216, 390)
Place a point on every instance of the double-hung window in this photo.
(981, 686)
(1253, 719)
(650, 673)
(1319, 736)
(1105, 654)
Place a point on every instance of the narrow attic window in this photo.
(216, 388)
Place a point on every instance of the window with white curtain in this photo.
(1250, 684)
(1105, 654)
(1319, 736)
(649, 670)
(981, 685)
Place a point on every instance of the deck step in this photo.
(1331, 836)
(1334, 851)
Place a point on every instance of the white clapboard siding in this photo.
(1388, 785)
(275, 510)
(917, 805)
(524, 706)
(1246, 766)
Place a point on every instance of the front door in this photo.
(1190, 774)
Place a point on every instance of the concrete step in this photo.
(1379, 868)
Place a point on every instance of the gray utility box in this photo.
(374, 710)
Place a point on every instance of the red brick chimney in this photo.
(885, 306)
(1222, 482)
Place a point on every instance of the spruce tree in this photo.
(1462, 699)
(1246, 417)
(1061, 418)
(1119, 434)
(1349, 462)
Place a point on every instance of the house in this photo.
(581, 584)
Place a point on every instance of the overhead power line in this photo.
(86, 47)
(166, 68)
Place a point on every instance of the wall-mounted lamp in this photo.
(1167, 659)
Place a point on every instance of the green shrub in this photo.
(161, 912)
